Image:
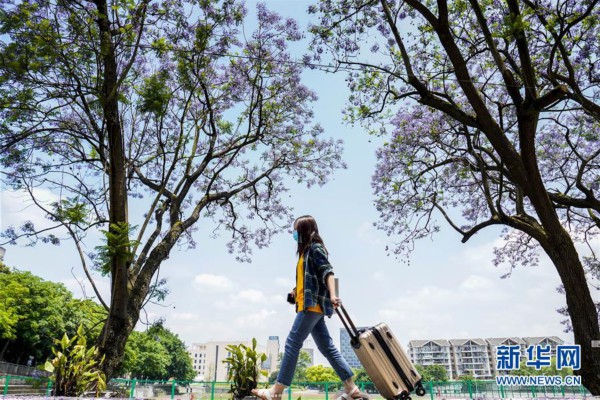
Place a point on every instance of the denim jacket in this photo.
(316, 270)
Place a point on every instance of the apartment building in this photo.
(311, 355)
(207, 358)
(551, 341)
(431, 352)
(272, 354)
(472, 356)
(347, 350)
(495, 342)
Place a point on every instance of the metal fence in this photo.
(11, 385)
(194, 390)
(20, 370)
(490, 389)
(472, 390)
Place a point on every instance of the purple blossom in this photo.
(441, 152)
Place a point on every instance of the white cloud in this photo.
(378, 276)
(213, 282)
(470, 300)
(251, 296)
(260, 318)
(247, 299)
(226, 305)
(476, 283)
(368, 233)
(185, 316)
(477, 255)
(284, 282)
(17, 207)
(74, 285)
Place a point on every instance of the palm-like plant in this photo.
(75, 368)
(244, 369)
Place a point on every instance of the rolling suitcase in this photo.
(384, 359)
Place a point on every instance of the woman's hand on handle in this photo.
(335, 301)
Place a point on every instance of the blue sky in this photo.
(449, 289)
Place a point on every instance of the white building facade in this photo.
(470, 356)
(207, 359)
(473, 356)
(272, 354)
(431, 352)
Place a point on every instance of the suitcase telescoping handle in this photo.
(348, 324)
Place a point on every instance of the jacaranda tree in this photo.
(493, 114)
(144, 118)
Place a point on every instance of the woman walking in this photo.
(315, 298)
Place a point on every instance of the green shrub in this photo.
(244, 369)
(75, 368)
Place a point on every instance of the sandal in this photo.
(354, 394)
(265, 394)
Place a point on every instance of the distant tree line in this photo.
(35, 312)
(157, 354)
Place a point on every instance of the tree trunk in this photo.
(119, 324)
(559, 246)
(4, 349)
(582, 310)
(116, 331)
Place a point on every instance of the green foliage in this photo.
(157, 354)
(244, 369)
(421, 370)
(273, 377)
(161, 46)
(70, 211)
(320, 373)
(360, 375)
(438, 373)
(552, 371)
(145, 358)
(434, 372)
(180, 366)
(9, 314)
(117, 245)
(549, 371)
(34, 311)
(75, 368)
(524, 370)
(301, 367)
(155, 93)
(3, 268)
(466, 377)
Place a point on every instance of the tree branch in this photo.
(509, 80)
(84, 266)
(523, 47)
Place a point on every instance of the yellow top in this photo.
(300, 288)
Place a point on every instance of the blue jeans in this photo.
(314, 323)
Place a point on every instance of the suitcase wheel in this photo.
(420, 391)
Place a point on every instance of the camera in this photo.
(290, 299)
